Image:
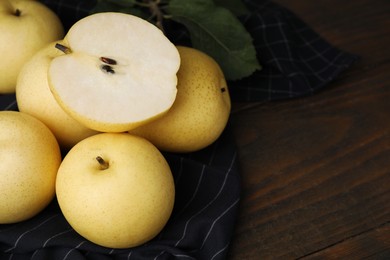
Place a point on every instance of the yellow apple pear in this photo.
(34, 97)
(118, 71)
(25, 27)
(115, 189)
(30, 157)
(201, 109)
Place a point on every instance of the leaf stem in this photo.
(155, 10)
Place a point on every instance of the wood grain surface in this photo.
(316, 170)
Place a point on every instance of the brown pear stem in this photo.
(17, 12)
(103, 164)
(63, 48)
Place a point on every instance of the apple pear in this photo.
(201, 109)
(34, 97)
(30, 157)
(25, 27)
(118, 71)
(115, 189)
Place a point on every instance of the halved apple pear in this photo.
(118, 72)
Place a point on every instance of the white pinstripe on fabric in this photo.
(207, 205)
(73, 249)
(30, 230)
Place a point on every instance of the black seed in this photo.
(108, 69)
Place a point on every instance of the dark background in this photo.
(316, 170)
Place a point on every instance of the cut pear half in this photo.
(118, 72)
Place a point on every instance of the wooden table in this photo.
(316, 170)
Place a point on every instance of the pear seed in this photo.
(108, 60)
(108, 69)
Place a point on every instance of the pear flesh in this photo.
(118, 71)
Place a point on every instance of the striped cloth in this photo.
(296, 61)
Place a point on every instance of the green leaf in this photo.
(121, 6)
(237, 7)
(123, 3)
(217, 32)
(103, 6)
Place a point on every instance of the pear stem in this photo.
(17, 12)
(63, 48)
(103, 164)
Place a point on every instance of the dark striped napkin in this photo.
(296, 61)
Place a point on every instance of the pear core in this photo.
(118, 71)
